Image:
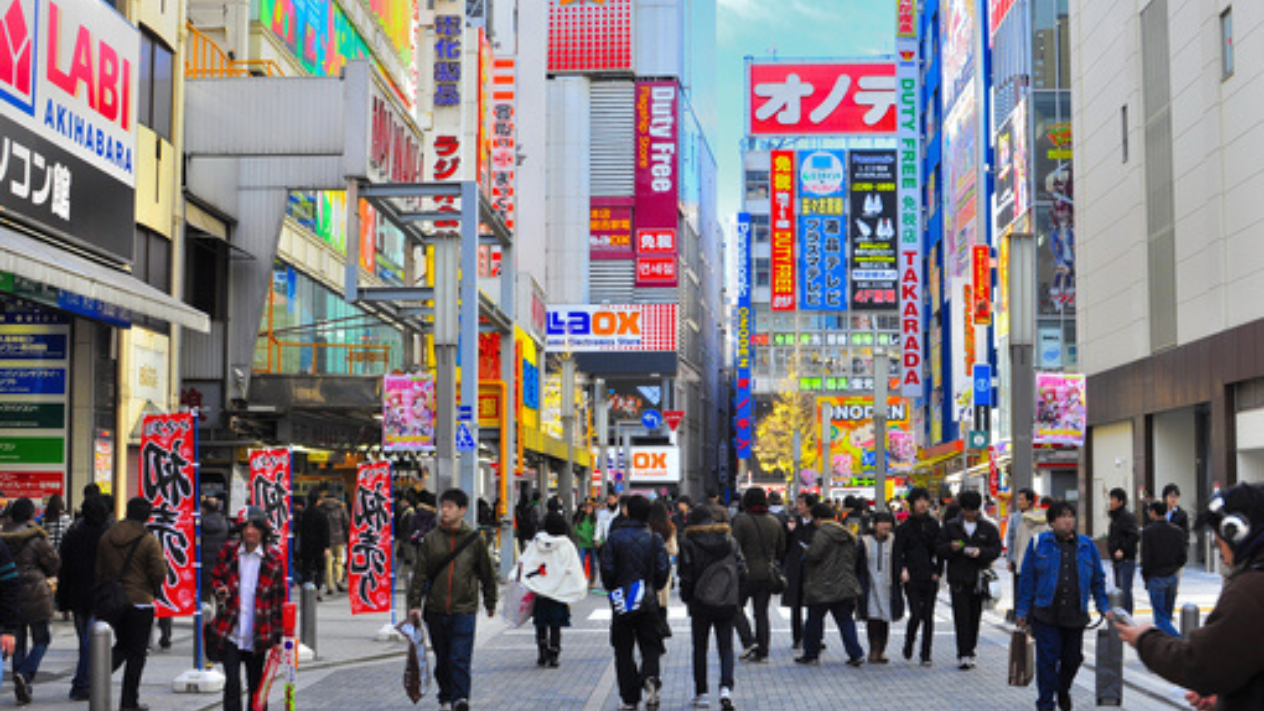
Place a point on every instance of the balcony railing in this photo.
(203, 59)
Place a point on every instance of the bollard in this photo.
(1189, 618)
(307, 635)
(1116, 598)
(100, 666)
(1110, 659)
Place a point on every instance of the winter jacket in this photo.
(10, 590)
(527, 521)
(339, 521)
(425, 520)
(963, 570)
(79, 565)
(1163, 550)
(1038, 581)
(1223, 656)
(455, 587)
(719, 513)
(833, 566)
(37, 561)
(702, 547)
(916, 549)
(143, 578)
(673, 550)
(763, 544)
(633, 552)
(314, 534)
(882, 597)
(1028, 526)
(585, 529)
(797, 544)
(551, 568)
(56, 529)
(269, 595)
(214, 536)
(1123, 535)
(1179, 518)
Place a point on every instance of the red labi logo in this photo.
(16, 49)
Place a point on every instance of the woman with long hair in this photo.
(585, 527)
(660, 523)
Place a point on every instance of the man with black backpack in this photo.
(712, 571)
(452, 563)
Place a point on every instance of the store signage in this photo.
(783, 247)
(371, 541)
(906, 18)
(408, 412)
(825, 98)
(590, 35)
(873, 190)
(654, 465)
(912, 283)
(982, 285)
(822, 230)
(609, 231)
(588, 329)
(1011, 201)
(168, 481)
(271, 489)
(395, 150)
(744, 401)
(657, 182)
(997, 11)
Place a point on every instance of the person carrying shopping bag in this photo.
(550, 567)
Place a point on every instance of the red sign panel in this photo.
(660, 241)
(590, 35)
(821, 99)
(673, 418)
(997, 10)
(35, 486)
(906, 18)
(656, 271)
(369, 558)
(657, 182)
(168, 480)
(783, 281)
(982, 285)
(271, 489)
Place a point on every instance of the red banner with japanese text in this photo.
(369, 559)
(783, 232)
(271, 489)
(168, 480)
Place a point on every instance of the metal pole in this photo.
(1189, 618)
(100, 667)
(798, 459)
(307, 633)
(445, 340)
(1022, 290)
(566, 482)
(469, 481)
(880, 367)
(603, 427)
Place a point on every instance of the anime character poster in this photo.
(1061, 409)
(854, 435)
(408, 412)
(369, 553)
(168, 480)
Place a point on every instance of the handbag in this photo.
(776, 579)
(988, 585)
(1022, 659)
(637, 596)
(212, 641)
(519, 601)
(109, 599)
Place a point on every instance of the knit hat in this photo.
(1237, 515)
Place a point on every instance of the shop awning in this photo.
(39, 261)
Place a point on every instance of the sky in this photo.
(791, 29)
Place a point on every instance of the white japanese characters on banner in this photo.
(826, 98)
(168, 481)
(369, 557)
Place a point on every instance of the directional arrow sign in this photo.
(651, 419)
(673, 418)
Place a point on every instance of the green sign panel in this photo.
(32, 450)
(979, 439)
(24, 416)
(6, 282)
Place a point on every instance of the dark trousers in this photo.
(878, 632)
(233, 659)
(1059, 653)
(841, 611)
(796, 623)
(759, 594)
(131, 648)
(548, 638)
(29, 648)
(626, 633)
(83, 628)
(701, 626)
(1125, 572)
(921, 604)
(452, 638)
(967, 610)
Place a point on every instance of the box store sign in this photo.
(654, 465)
(69, 74)
(657, 183)
(589, 329)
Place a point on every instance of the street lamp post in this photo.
(1022, 336)
(880, 427)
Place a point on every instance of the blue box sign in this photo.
(32, 346)
(32, 381)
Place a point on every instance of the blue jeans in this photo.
(814, 629)
(1163, 600)
(586, 555)
(1059, 653)
(83, 628)
(452, 638)
(27, 662)
(1125, 571)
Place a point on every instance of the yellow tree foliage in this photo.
(774, 435)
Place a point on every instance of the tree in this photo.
(792, 411)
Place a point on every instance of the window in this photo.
(151, 259)
(157, 84)
(1123, 133)
(763, 271)
(756, 185)
(206, 274)
(760, 228)
(1226, 43)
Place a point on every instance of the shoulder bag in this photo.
(109, 599)
(776, 579)
(445, 562)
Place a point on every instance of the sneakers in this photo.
(701, 702)
(627, 707)
(966, 663)
(726, 699)
(652, 685)
(926, 662)
(808, 661)
(751, 651)
(856, 662)
(21, 689)
(460, 705)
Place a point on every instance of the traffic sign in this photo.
(673, 418)
(465, 413)
(983, 384)
(464, 440)
(979, 439)
(651, 419)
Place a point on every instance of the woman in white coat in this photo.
(550, 567)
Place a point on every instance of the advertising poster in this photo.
(168, 480)
(271, 489)
(820, 98)
(743, 392)
(962, 338)
(1061, 410)
(369, 574)
(595, 329)
(657, 170)
(783, 262)
(317, 32)
(822, 237)
(982, 285)
(873, 215)
(1012, 178)
(958, 22)
(408, 413)
(848, 422)
(961, 153)
(34, 381)
(912, 283)
(609, 231)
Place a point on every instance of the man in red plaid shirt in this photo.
(249, 582)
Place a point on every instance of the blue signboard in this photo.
(983, 384)
(464, 440)
(651, 419)
(743, 330)
(33, 346)
(821, 212)
(32, 381)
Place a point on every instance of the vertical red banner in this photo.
(783, 234)
(168, 480)
(271, 489)
(982, 285)
(369, 559)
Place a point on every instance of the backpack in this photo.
(718, 584)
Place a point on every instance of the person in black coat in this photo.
(917, 557)
(214, 535)
(314, 535)
(969, 544)
(1121, 544)
(705, 543)
(78, 552)
(799, 532)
